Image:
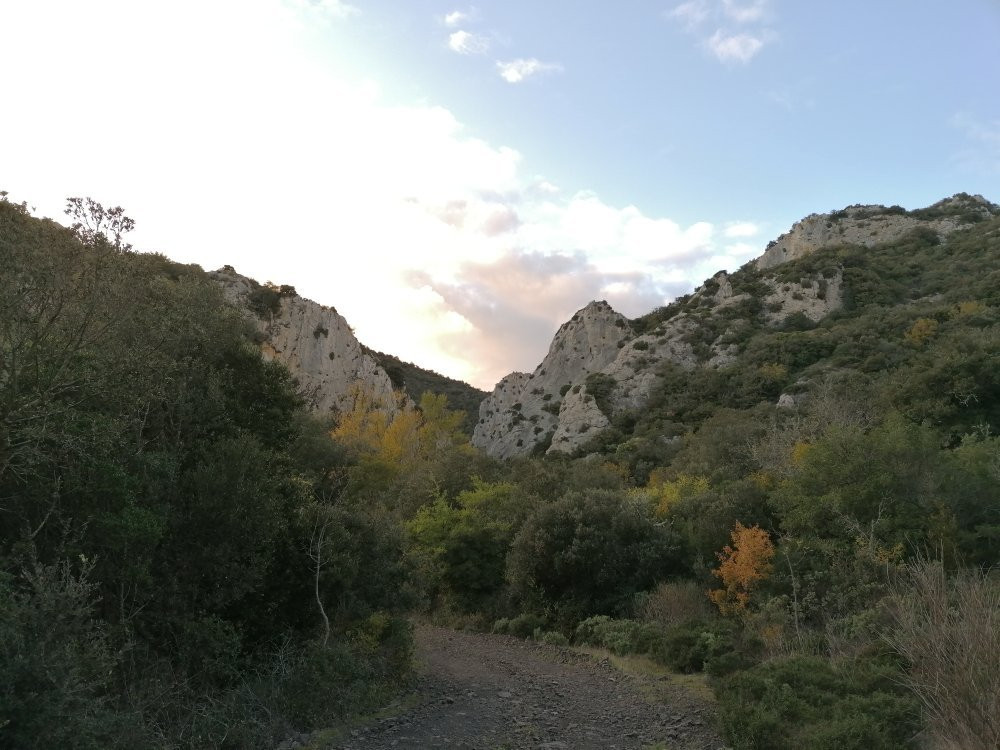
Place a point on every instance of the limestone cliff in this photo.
(870, 225)
(312, 340)
(523, 411)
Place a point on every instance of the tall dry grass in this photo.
(947, 627)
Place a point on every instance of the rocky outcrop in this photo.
(871, 225)
(313, 341)
(813, 297)
(599, 367)
(580, 418)
(523, 411)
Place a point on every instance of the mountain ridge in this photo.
(702, 330)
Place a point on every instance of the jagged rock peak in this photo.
(313, 341)
(870, 225)
(522, 412)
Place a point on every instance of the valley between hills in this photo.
(765, 515)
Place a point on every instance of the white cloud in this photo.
(456, 18)
(435, 245)
(466, 43)
(335, 9)
(729, 47)
(515, 71)
(744, 12)
(692, 14)
(725, 43)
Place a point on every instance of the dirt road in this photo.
(478, 691)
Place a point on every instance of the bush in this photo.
(551, 637)
(676, 603)
(605, 632)
(56, 662)
(589, 553)
(522, 626)
(265, 300)
(693, 647)
(807, 702)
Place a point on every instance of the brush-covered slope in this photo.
(893, 290)
(415, 381)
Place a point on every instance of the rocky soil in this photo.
(486, 691)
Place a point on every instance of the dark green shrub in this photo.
(265, 300)
(589, 553)
(522, 626)
(56, 662)
(691, 646)
(551, 637)
(807, 702)
(618, 636)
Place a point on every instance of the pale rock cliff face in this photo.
(633, 369)
(315, 343)
(521, 413)
(579, 420)
(814, 298)
(861, 225)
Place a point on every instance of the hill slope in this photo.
(867, 289)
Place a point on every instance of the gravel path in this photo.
(486, 692)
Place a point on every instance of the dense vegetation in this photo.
(416, 381)
(828, 562)
(187, 559)
(171, 521)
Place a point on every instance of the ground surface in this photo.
(480, 691)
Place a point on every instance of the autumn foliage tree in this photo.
(741, 567)
(396, 444)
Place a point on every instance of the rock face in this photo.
(600, 365)
(312, 340)
(868, 226)
(524, 409)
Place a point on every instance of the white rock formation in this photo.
(315, 343)
(579, 420)
(862, 225)
(815, 298)
(522, 411)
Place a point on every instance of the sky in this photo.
(458, 179)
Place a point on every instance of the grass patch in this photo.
(659, 679)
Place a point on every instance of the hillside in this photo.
(865, 291)
(319, 348)
(781, 489)
(415, 381)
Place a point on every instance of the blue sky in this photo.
(458, 179)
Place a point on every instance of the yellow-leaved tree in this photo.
(741, 567)
(664, 493)
(397, 441)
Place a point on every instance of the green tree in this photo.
(589, 553)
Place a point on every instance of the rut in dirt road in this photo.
(488, 691)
